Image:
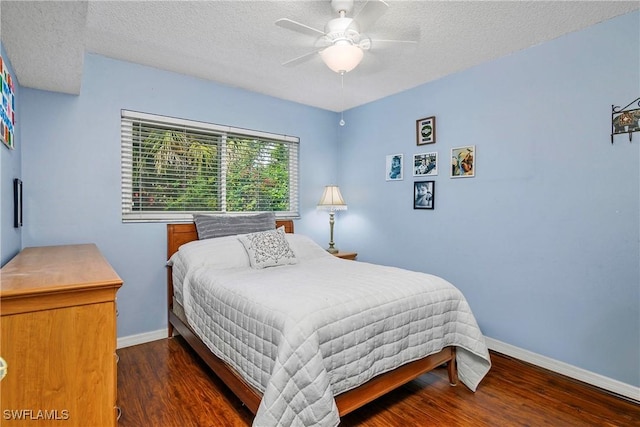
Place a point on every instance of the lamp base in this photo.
(332, 250)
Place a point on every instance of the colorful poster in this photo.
(7, 107)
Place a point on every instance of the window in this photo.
(172, 168)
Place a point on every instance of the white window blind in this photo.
(172, 168)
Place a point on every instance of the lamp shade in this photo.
(342, 57)
(332, 199)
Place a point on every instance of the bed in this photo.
(302, 366)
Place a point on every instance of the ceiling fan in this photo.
(342, 43)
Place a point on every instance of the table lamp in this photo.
(332, 201)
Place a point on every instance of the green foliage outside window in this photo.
(182, 171)
(257, 176)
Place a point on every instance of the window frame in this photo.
(127, 120)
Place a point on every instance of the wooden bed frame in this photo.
(178, 234)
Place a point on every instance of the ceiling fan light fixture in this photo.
(342, 57)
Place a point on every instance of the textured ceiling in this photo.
(237, 43)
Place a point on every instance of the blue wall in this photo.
(71, 162)
(10, 168)
(544, 241)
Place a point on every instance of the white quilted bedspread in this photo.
(303, 333)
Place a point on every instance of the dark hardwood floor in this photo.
(164, 384)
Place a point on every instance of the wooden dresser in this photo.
(58, 338)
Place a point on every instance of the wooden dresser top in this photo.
(55, 269)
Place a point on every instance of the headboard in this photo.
(179, 234)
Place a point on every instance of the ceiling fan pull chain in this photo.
(342, 98)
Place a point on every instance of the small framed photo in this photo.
(426, 130)
(394, 167)
(425, 164)
(463, 162)
(423, 194)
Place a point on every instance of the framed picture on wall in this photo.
(394, 167)
(7, 106)
(426, 130)
(423, 194)
(425, 164)
(463, 162)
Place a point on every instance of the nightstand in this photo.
(346, 255)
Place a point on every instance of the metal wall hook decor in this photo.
(625, 119)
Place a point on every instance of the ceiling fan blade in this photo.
(378, 42)
(303, 58)
(298, 27)
(366, 43)
(370, 13)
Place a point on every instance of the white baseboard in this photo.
(142, 338)
(597, 380)
(600, 381)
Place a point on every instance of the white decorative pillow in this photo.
(305, 248)
(219, 252)
(268, 248)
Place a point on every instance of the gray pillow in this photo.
(210, 226)
(268, 248)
